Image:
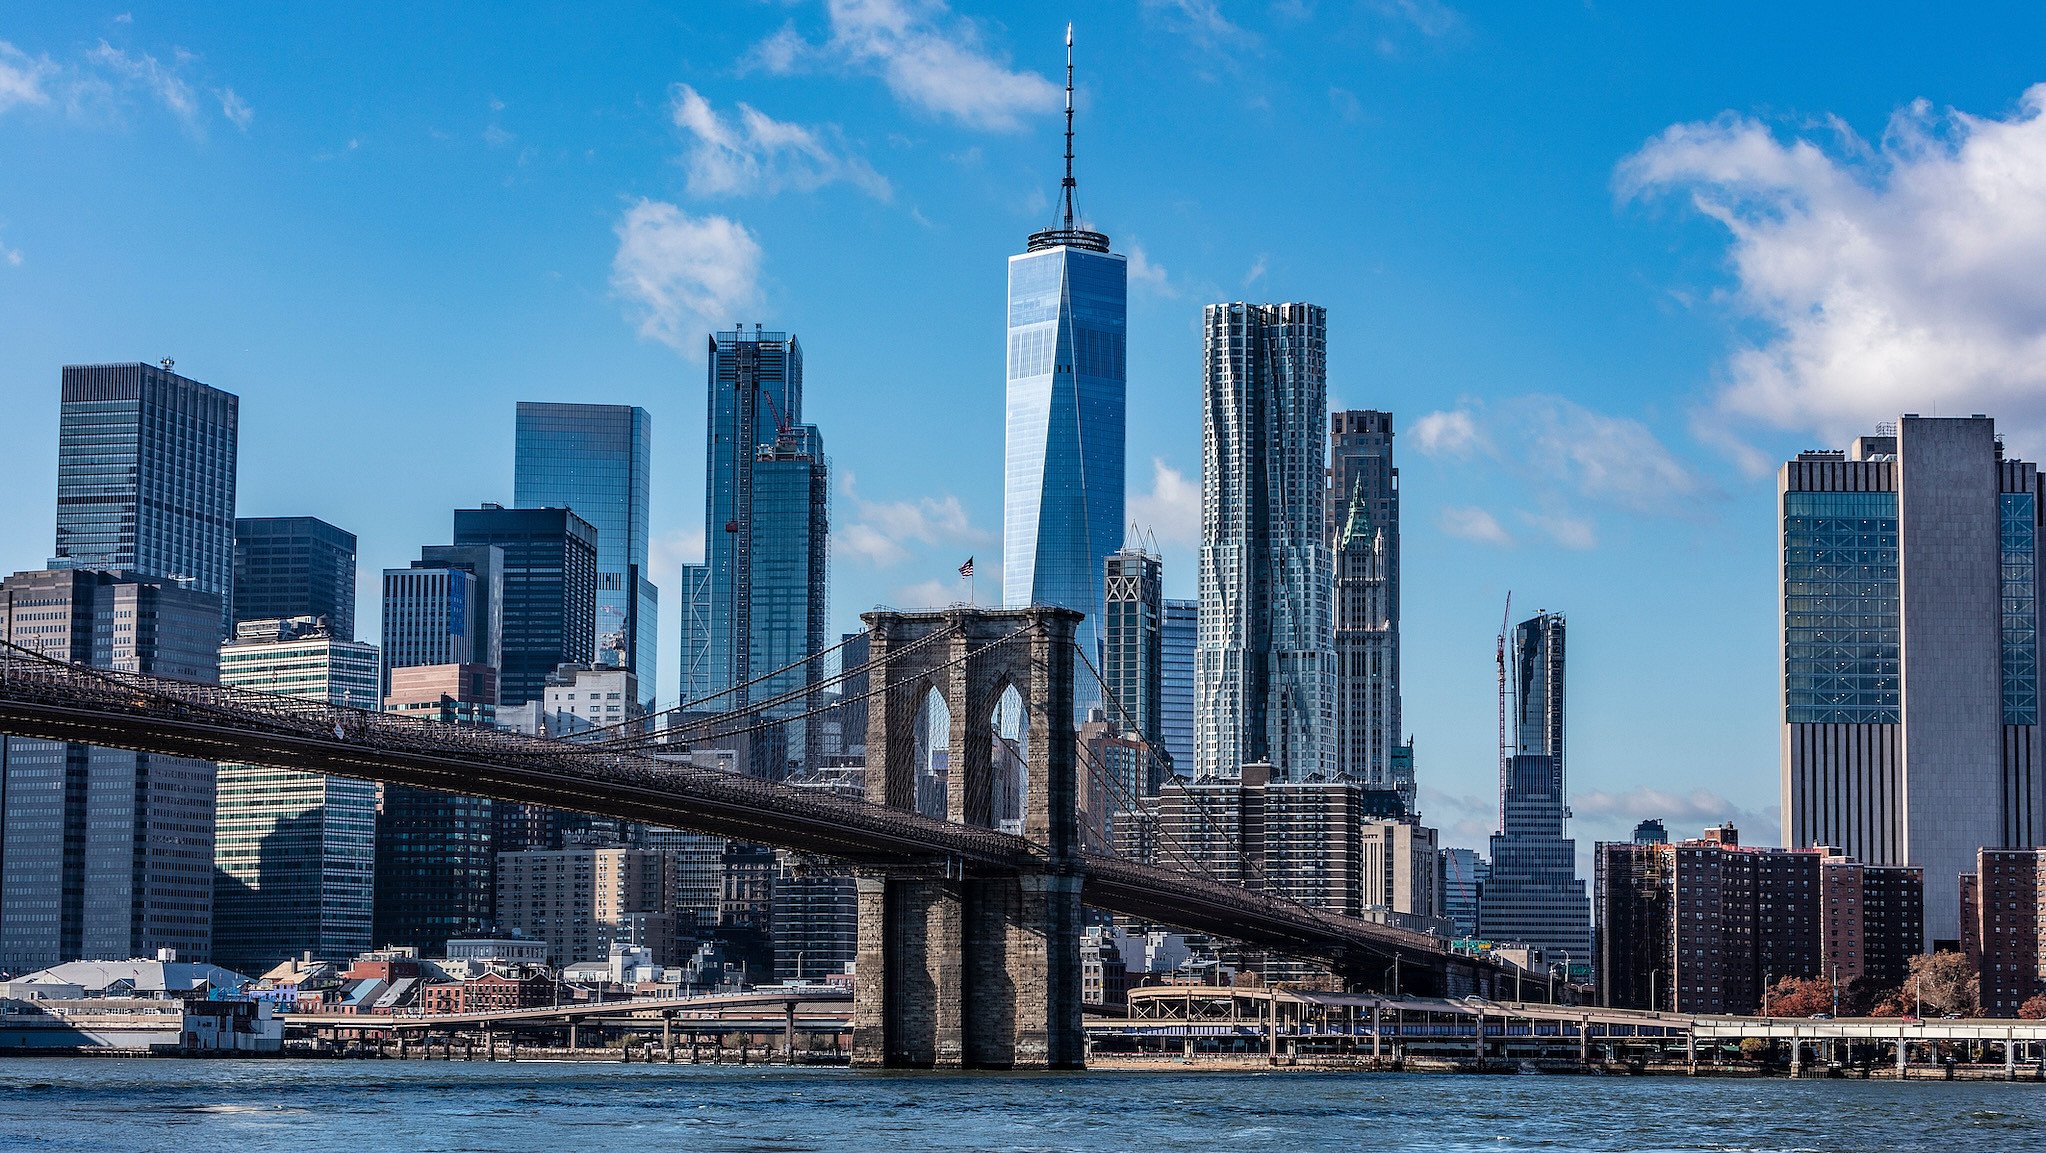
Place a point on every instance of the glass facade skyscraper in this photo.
(1062, 475)
(788, 587)
(1133, 645)
(1910, 633)
(294, 853)
(1266, 661)
(1533, 896)
(146, 477)
(595, 459)
(294, 566)
(755, 392)
(549, 607)
(105, 853)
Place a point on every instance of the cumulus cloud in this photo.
(753, 152)
(1887, 276)
(1171, 511)
(1452, 433)
(682, 276)
(1614, 459)
(931, 60)
(1470, 523)
(881, 532)
(1569, 531)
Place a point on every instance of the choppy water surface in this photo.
(411, 1107)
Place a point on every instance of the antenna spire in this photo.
(1068, 186)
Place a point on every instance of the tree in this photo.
(2034, 1008)
(1798, 997)
(1941, 983)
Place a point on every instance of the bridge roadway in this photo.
(54, 700)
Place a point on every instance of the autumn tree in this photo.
(1798, 997)
(2034, 1008)
(1941, 983)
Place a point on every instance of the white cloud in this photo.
(1685, 814)
(12, 256)
(236, 109)
(159, 81)
(883, 530)
(1145, 274)
(1446, 433)
(1571, 532)
(937, 594)
(1171, 511)
(930, 59)
(1899, 275)
(1614, 459)
(1428, 17)
(684, 275)
(1475, 524)
(1202, 22)
(1256, 273)
(22, 77)
(753, 152)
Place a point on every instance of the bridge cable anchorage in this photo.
(671, 734)
(1202, 802)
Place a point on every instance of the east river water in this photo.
(420, 1107)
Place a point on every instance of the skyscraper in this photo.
(1266, 659)
(595, 459)
(1179, 635)
(146, 477)
(1533, 895)
(550, 591)
(1062, 488)
(445, 611)
(104, 853)
(294, 853)
(756, 390)
(294, 566)
(1910, 624)
(1133, 646)
(788, 588)
(695, 634)
(1364, 536)
(436, 852)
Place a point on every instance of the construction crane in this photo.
(1499, 657)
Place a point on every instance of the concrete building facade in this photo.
(1364, 548)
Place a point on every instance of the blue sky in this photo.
(1606, 263)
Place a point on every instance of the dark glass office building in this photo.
(146, 476)
(755, 391)
(106, 854)
(294, 566)
(787, 586)
(595, 459)
(550, 591)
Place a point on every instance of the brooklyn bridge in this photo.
(969, 934)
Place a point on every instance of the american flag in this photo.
(966, 570)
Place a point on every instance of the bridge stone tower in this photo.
(958, 967)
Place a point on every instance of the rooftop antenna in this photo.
(1069, 184)
(169, 364)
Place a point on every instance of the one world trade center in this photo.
(1062, 496)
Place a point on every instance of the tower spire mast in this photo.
(1068, 186)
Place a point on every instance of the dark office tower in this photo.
(594, 458)
(1533, 896)
(854, 651)
(756, 391)
(1910, 622)
(1062, 487)
(550, 591)
(1267, 644)
(106, 854)
(788, 554)
(294, 566)
(1133, 645)
(1178, 637)
(146, 477)
(1364, 546)
(436, 853)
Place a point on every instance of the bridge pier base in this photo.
(979, 973)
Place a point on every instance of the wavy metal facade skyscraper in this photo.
(1062, 490)
(1265, 664)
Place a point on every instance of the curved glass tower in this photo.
(1062, 492)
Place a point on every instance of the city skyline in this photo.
(1559, 369)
